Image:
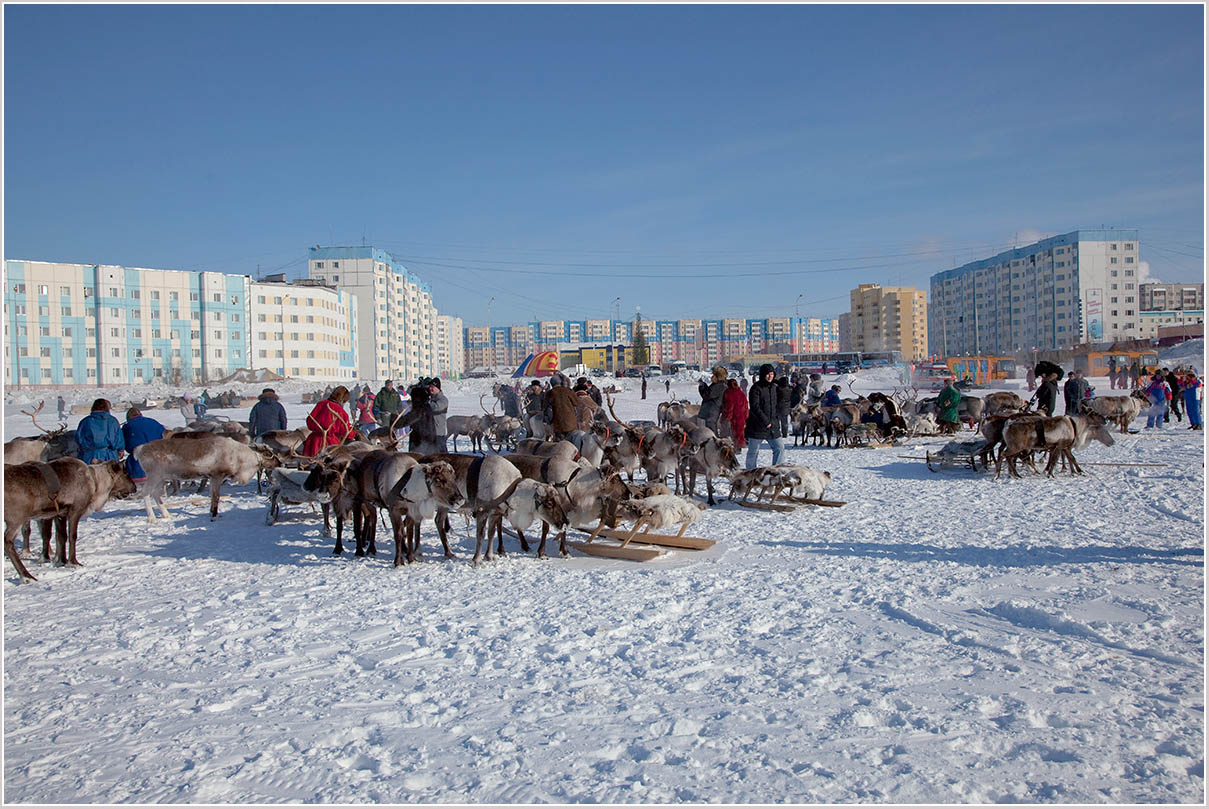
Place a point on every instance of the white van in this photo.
(654, 370)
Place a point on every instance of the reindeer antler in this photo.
(609, 399)
(484, 408)
(34, 416)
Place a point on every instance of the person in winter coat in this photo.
(1047, 394)
(366, 421)
(1074, 392)
(1173, 386)
(267, 414)
(560, 406)
(1190, 387)
(387, 404)
(585, 409)
(814, 390)
(743, 385)
(784, 394)
(734, 413)
(644, 386)
(511, 402)
(1135, 373)
(711, 397)
(99, 435)
(138, 430)
(946, 407)
(62, 409)
(1157, 393)
(832, 397)
(422, 437)
(763, 423)
(594, 392)
(328, 422)
(439, 406)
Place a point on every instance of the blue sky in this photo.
(691, 160)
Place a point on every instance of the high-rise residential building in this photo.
(1157, 297)
(395, 313)
(450, 353)
(845, 332)
(1080, 287)
(99, 324)
(304, 330)
(689, 341)
(889, 319)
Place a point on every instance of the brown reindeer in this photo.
(66, 489)
(215, 457)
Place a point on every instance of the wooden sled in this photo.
(664, 540)
(615, 551)
(784, 507)
(806, 502)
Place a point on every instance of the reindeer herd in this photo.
(587, 478)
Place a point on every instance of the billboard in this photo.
(1095, 314)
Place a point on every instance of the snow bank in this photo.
(1189, 353)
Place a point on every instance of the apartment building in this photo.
(396, 318)
(889, 319)
(690, 341)
(449, 360)
(304, 330)
(1059, 292)
(98, 324)
(1151, 324)
(1157, 297)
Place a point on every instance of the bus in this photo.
(982, 370)
(837, 362)
(1095, 363)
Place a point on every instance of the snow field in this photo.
(942, 638)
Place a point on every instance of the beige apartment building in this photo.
(889, 319)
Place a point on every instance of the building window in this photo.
(319, 265)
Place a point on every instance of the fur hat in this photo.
(719, 373)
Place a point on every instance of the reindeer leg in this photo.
(541, 548)
(215, 489)
(401, 538)
(340, 534)
(372, 550)
(327, 523)
(46, 528)
(442, 522)
(478, 542)
(499, 533)
(709, 488)
(524, 542)
(74, 525)
(10, 550)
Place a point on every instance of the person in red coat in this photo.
(734, 412)
(328, 422)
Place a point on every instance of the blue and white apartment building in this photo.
(105, 325)
(1059, 292)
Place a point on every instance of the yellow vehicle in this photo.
(982, 370)
(1095, 363)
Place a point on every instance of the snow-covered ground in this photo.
(941, 638)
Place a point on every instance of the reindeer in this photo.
(57, 443)
(473, 427)
(714, 457)
(215, 457)
(1059, 436)
(1002, 403)
(484, 483)
(66, 489)
(427, 491)
(547, 449)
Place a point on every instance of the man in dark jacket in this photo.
(388, 404)
(1173, 383)
(138, 430)
(1047, 394)
(783, 404)
(711, 397)
(440, 407)
(99, 435)
(1073, 393)
(267, 414)
(763, 423)
(423, 437)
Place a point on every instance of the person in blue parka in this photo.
(139, 430)
(99, 435)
